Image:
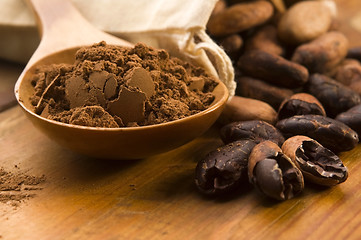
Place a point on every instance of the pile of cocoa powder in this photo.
(15, 186)
(112, 86)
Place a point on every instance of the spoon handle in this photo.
(61, 26)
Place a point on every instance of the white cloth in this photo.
(177, 26)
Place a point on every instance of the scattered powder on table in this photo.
(112, 86)
(16, 187)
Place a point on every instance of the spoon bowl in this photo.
(109, 143)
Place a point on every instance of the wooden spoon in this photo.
(64, 31)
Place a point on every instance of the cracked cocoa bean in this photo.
(273, 173)
(273, 69)
(334, 96)
(239, 17)
(322, 54)
(254, 130)
(300, 104)
(224, 169)
(351, 118)
(261, 90)
(317, 163)
(332, 134)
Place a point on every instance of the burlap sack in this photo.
(177, 25)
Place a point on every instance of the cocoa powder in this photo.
(15, 187)
(112, 86)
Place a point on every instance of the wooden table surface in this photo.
(155, 198)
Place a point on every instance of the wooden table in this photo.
(155, 198)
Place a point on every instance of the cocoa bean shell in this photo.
(273, 173)
(300, 104)
(317, 163)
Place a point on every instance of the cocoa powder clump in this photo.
(112, 86)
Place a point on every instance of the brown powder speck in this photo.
(17, 187)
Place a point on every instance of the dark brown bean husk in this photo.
(254, 130)
(334, 96)
(273, 173)
(224, 169)
(261, 90)
(317, 163)
(300, 104)
(352, 118)
(272, 68)
(332, 134)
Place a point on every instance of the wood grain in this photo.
(155, 198)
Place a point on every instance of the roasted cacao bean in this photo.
(352, 118)
(317, 163)
(349, 74)
(265, 39)
(273, 173)
(272, 68)
(334, 96)
(243, 109)
(322, 54)
(261, 90)
(239, 17)
(254, 130)
(300, 104)
(224, 169)
(331, 133)
(304, 22)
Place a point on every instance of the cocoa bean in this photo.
(239, 17)
(273, 69)
(349, 74)
(224, 169)
(304, 22)
(261, 90)
(322, 54)
(332, 134)
(300, 104)
(254, 130)
(273, 173)
(265, 39)
(334, 96)
(351, 118)
(243, 109)
(317, 163)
